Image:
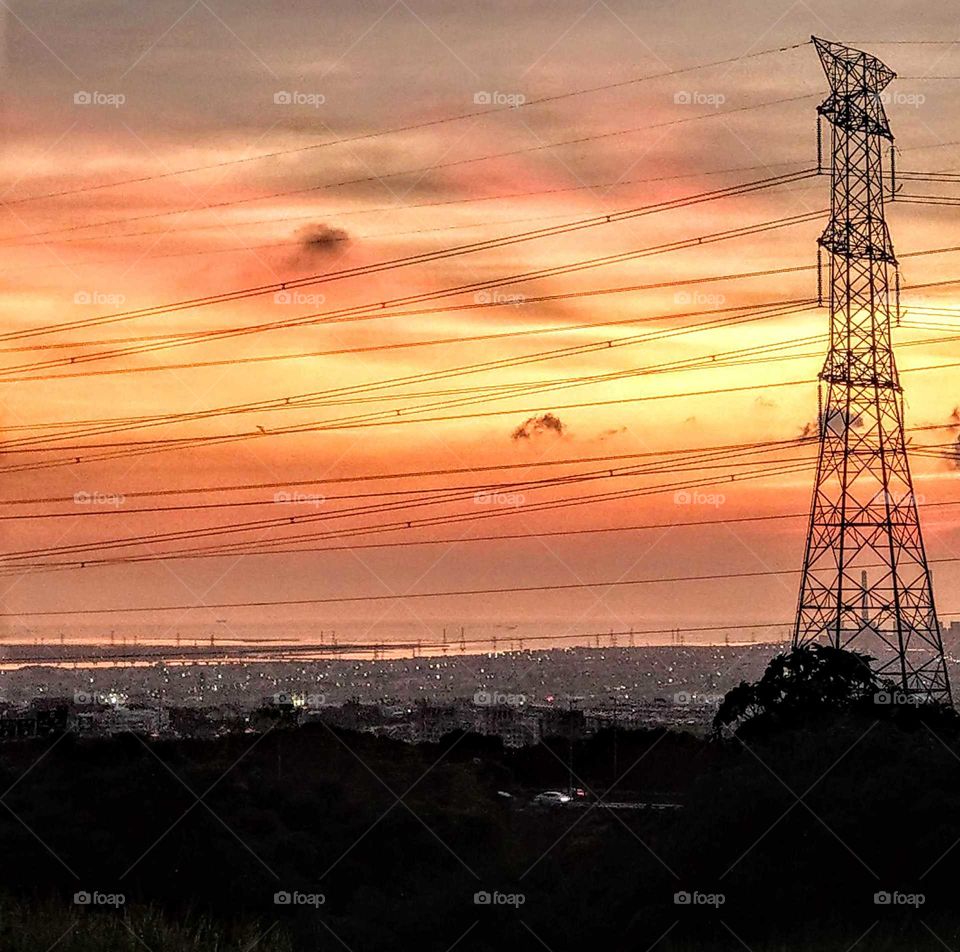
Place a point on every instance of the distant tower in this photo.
(864, 514)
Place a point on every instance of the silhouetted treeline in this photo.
(797, 830)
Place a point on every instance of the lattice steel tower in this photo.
(866, 584)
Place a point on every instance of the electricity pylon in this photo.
(866, 583)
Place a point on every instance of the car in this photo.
(552, 797)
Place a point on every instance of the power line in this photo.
(677, 461)
(329, 397)
(434, 491)
(740, 357)
(379, 209)
(408, 474)
(366, 312)
(516, 589)
(397, 416)
(449, 540)
(407, 345)
(332, 239)
(379, 177)
(380, 310)
(408, 260)
(16, 563)
(379, 314)
(418, 312)
(425, 473)
(403, 596)
(769, 467)
(250, 549)
(410, 127)
(767, 165)
(395, 420)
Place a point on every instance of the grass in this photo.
(39, 926)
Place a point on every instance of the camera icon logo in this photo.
(882, 898)
(682, 898)
(682, 98)
(282, 98)
(282, 898)
(82, 98)
(482, 99)
(482, 898)
(82, 898)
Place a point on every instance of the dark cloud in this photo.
(320, 239)
(536, 425)
(953, 455)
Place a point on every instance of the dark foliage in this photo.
(797, 827)
(807, 683)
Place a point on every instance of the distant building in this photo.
(41, 719)
(430, 723)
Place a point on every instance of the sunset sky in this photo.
(104, 109)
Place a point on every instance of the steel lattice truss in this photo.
(866, 584)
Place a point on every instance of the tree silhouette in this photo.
(803, 681)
